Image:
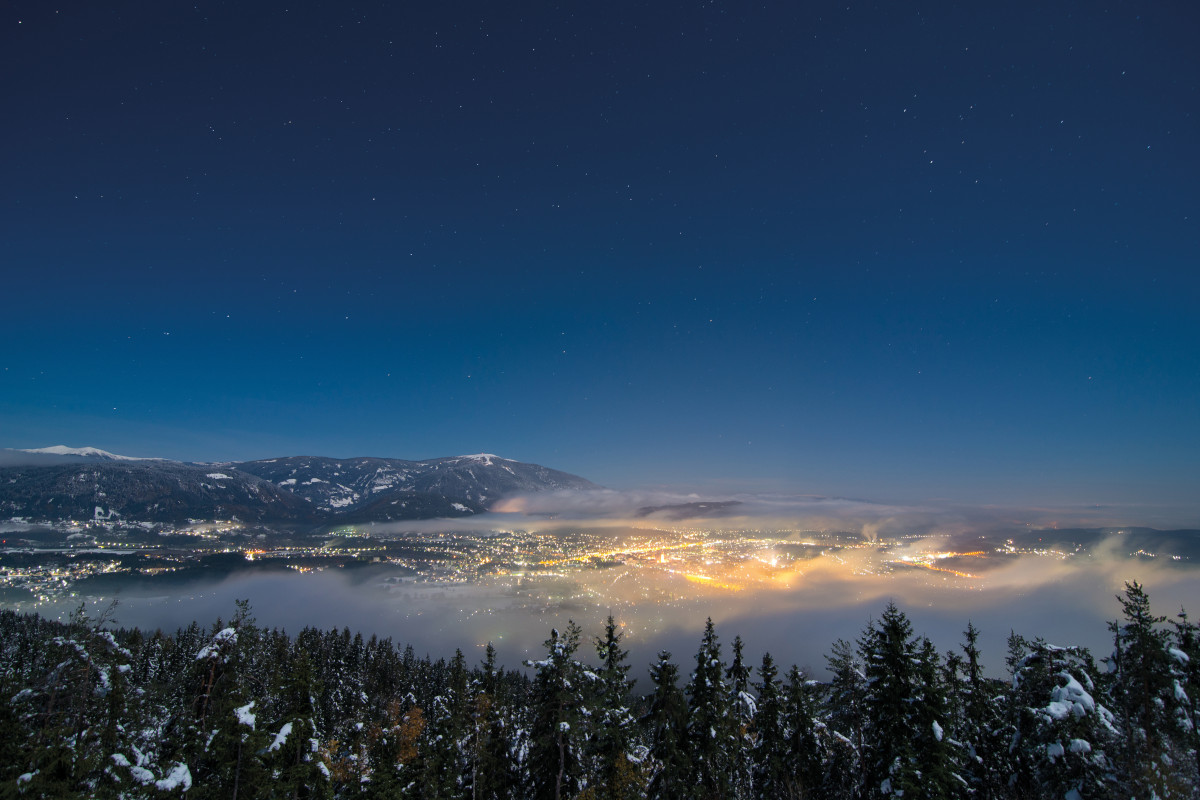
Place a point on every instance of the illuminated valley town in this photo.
(564, 567)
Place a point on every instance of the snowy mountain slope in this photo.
(145, 491)
(306, 490)
(390, 488)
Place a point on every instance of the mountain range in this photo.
(63, 483)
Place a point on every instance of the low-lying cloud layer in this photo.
(872, 520)
(1066, 601)
(795, 606)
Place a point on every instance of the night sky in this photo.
(904, 252)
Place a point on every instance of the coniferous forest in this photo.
(239, 711)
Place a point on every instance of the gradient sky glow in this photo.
(902, 252)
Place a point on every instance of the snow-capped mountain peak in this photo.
(485, 458)
(86, 452)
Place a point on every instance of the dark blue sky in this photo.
(905, 251)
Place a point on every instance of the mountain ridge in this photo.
(63, 483)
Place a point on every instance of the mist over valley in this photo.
(529, 548)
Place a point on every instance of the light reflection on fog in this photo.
(795, 613)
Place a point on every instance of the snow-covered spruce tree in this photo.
(666, 726)
(142, 758)
(161, 727)
(557, 735)
(494, 774)
(339, 665)
(346, 714)
(1186, 653)
(293, 753)
(381, 678)
(1012, 762)
(221, 742)
(52, 706)
(149, 660)
(446, 758)
(1147, 701)
(614, 754)
(805, 773)
(767, 762)
(1063, 734)
(889, 653)
(950, 675)
(710, 732)
(13, 734)
(76, 712)
(938, 758)
(742, 707)
(981, 727)
(173, 677)
(845, 718)
(117, 704)
(37, 677)
(1018, 647)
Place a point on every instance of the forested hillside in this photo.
(236, 710)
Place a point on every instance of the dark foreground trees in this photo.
(241, 711)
